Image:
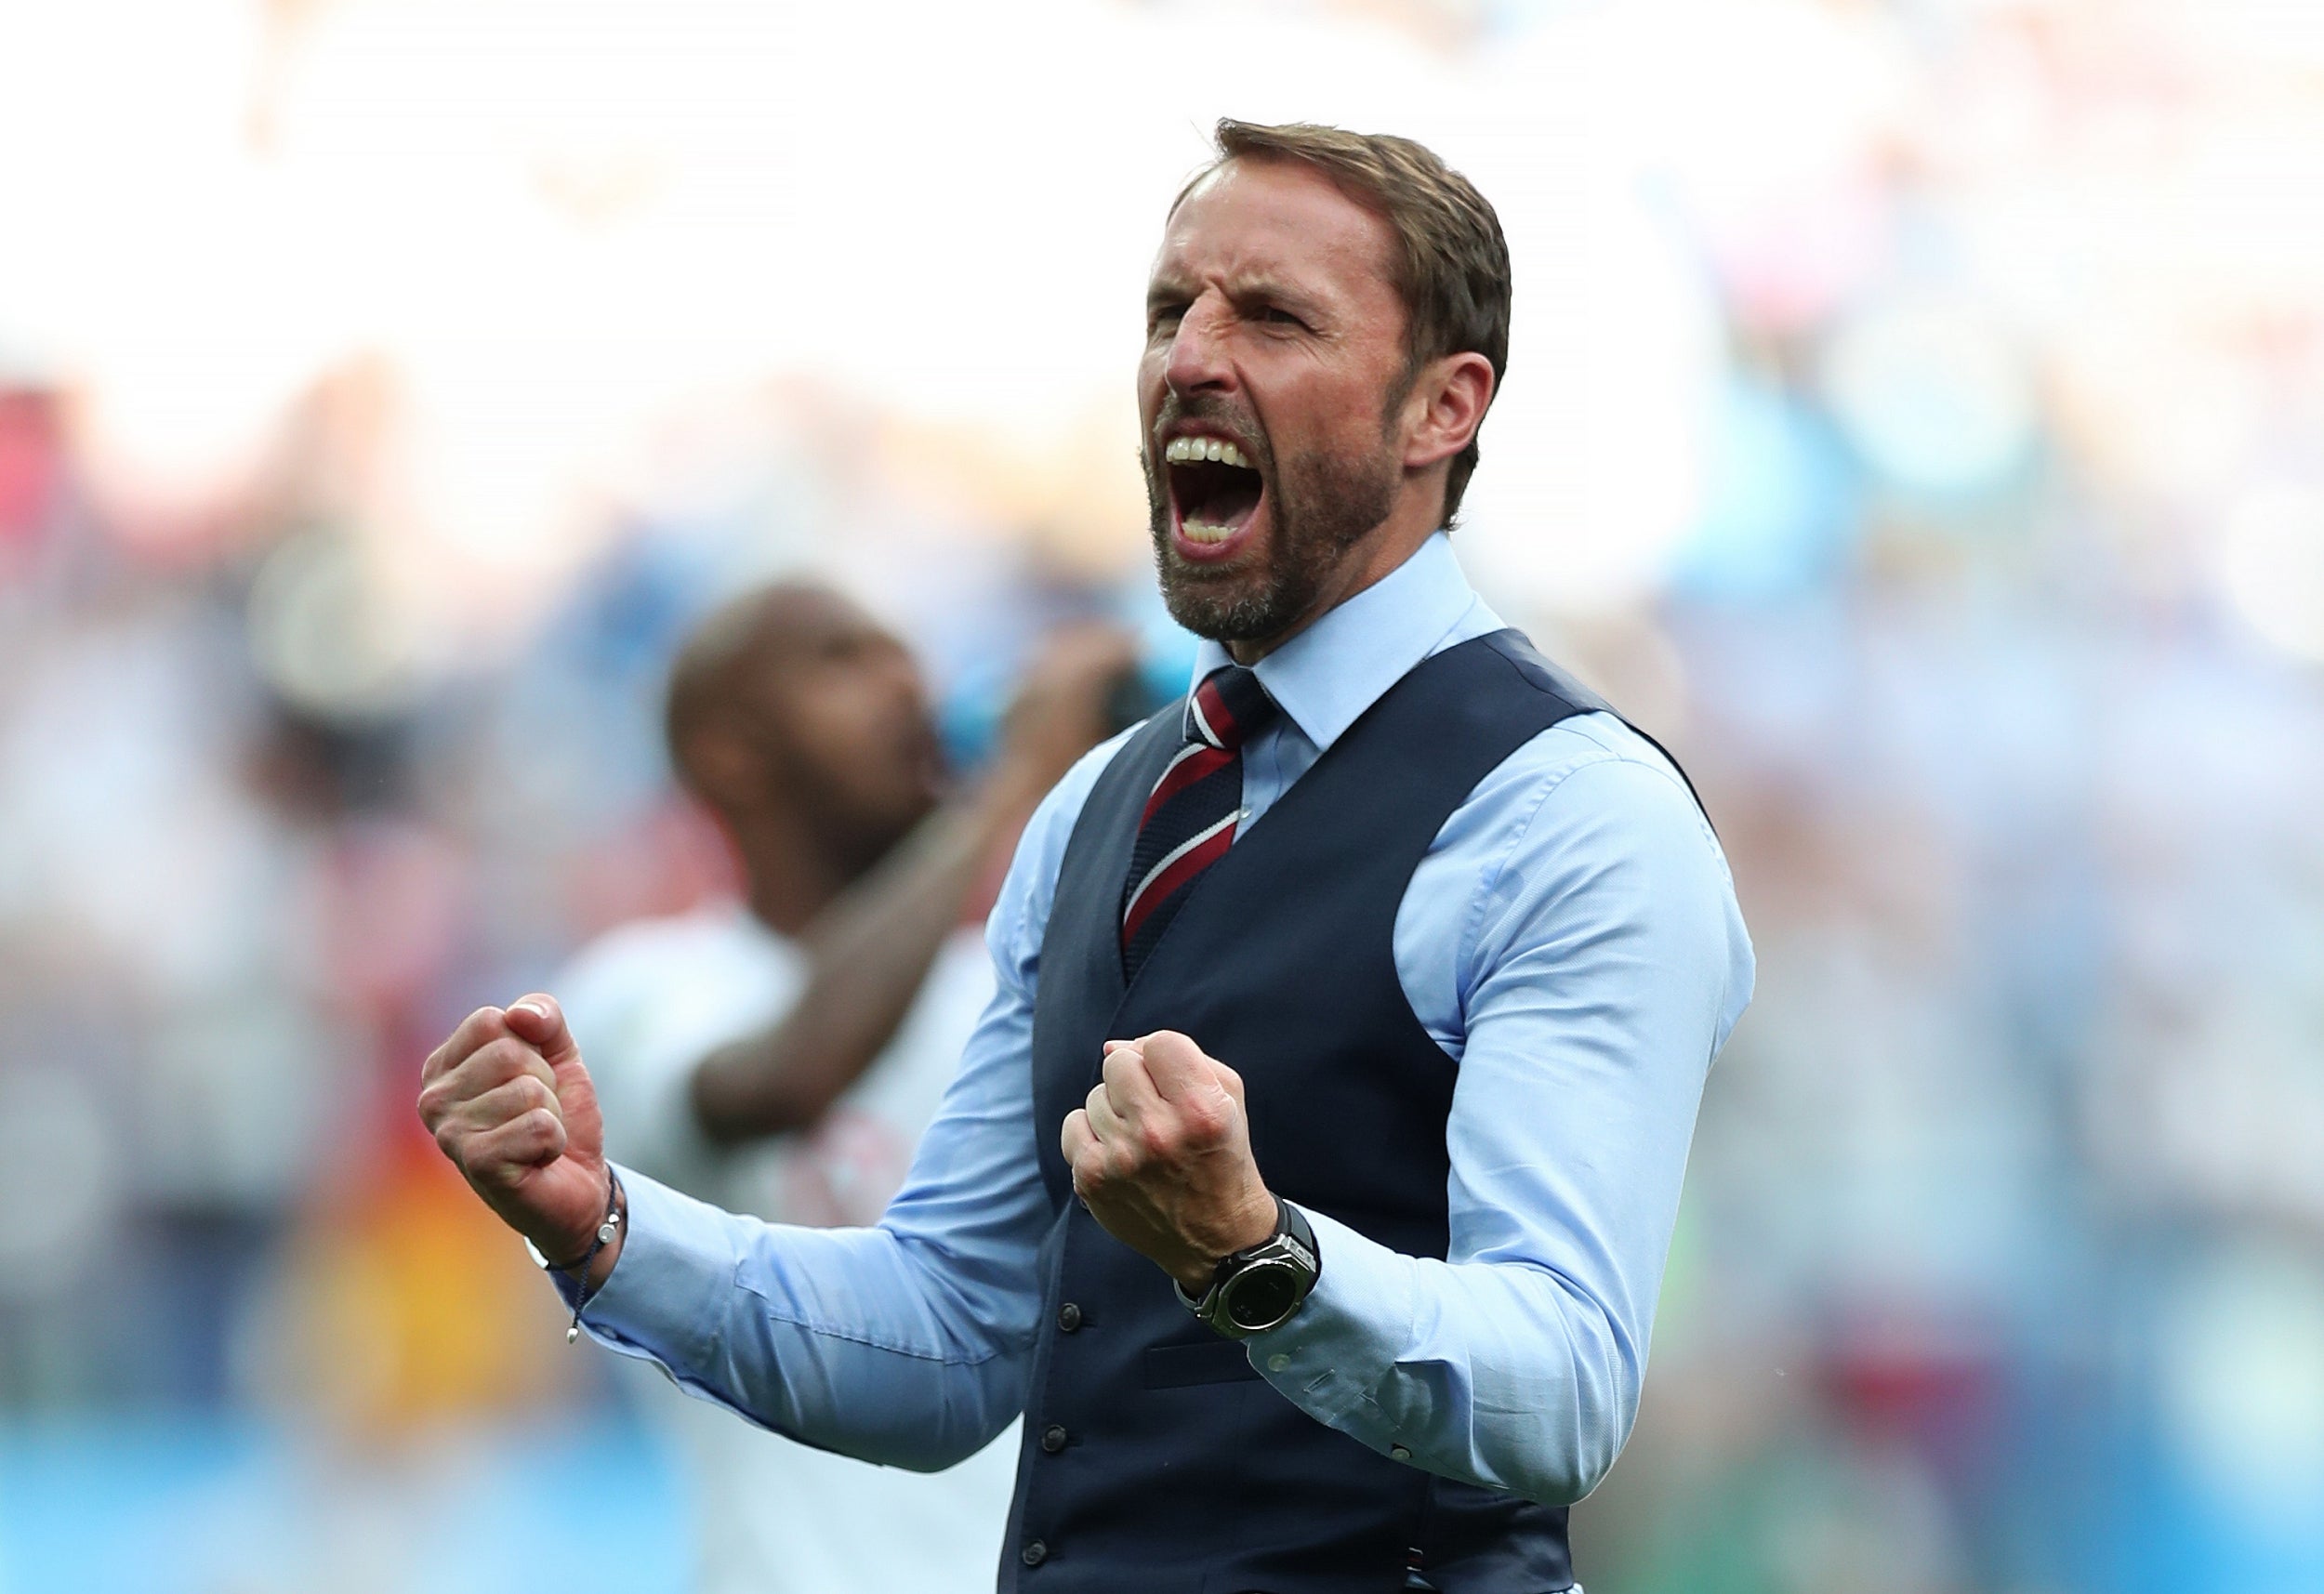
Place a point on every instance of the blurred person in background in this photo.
(1477, 968)
(781, 1055)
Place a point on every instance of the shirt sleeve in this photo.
(1601, 965)
(907, 1343)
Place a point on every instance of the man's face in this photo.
(1274, 350)
(848, 726)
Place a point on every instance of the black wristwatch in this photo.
(1260, 1287)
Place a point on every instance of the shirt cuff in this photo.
(1345, 1338)
(675, 1256)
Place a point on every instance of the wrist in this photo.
(564, 1253)
(587, 1272)
(1262, 1285)
(564, 1248)
(1254, 1225)
(1194, 1274)
(590, 1269)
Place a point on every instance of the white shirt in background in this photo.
(647, 1002)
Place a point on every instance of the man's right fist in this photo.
(511, 1104)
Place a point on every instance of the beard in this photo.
(1320, 505)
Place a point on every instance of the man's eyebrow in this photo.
(1271, 288)
(1242, 290)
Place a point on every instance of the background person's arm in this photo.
(1607, 962)
(907, 1343)
(869, 952)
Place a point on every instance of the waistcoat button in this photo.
(1053, 1438)
(1069, 1317)
(1033, 1553)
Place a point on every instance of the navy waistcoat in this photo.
(1155, 1459)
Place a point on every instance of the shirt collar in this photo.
(1324, 678)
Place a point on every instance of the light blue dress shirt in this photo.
(1571, 940)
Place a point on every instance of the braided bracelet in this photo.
(605, 1232)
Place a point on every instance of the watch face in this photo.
(1263, 1295)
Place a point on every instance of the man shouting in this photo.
(1308, 1182)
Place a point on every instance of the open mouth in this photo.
(1215, 490)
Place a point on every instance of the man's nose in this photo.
(1197, 352)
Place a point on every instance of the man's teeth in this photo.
(1204, 531)
(1195, 449)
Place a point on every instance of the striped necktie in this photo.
(1189, 822)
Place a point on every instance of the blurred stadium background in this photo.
(1917, 411)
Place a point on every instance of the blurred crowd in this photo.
(1967, 542)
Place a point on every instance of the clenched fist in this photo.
(1161, 1156)
(511, 1104)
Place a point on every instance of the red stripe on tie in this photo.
(1159, 886)
(1189, 766)
(1216, 714)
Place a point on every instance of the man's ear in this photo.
(1445, 406)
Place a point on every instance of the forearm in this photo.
(1496, 1374)
(868, 953)
(1603, 980)
(858, 1340)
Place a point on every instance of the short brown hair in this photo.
(1452, 269)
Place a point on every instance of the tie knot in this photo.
(1228, 709)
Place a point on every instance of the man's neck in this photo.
(790, 880)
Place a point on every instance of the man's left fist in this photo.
(1161, 1157)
